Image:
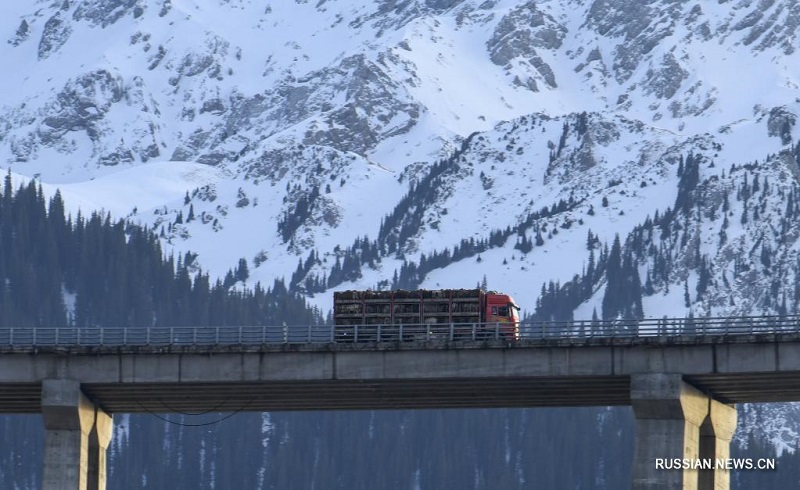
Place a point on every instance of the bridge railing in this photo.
(700, 327)
(164, 336)
(666, 327)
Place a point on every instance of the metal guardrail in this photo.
(703, 327)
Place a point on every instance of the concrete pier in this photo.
(77, 435)
(716, 433)
(99, 438)
(676, 426)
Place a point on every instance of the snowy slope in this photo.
(358, 99)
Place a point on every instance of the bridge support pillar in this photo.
(77, 435)
(716, 433)
(669, 413)
(99, 438)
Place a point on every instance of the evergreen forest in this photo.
(60, 271)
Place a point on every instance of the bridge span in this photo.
(681, 377)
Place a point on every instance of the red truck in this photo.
(443, 314)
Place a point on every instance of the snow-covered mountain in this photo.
(339, 106)
(370, 143)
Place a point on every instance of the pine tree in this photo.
(611, 299)
(242, 273)
(687, 300)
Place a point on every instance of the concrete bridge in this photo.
(682, 377)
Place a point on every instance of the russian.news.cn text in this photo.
(715, 464)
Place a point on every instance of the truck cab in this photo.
(502, 309)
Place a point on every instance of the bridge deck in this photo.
(336, 395)
(494, 373)
(401, 394)
(265, 368)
